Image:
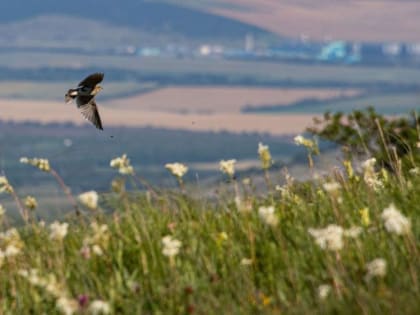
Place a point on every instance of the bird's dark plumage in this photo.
(85, 98)
(92, 80)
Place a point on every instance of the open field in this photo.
(209, 100)
(386, 103)
(41, 90)
(255, 72)
(47, 111)
(380, 20)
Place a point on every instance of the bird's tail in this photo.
(70, 95)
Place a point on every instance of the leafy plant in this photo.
(367, 133)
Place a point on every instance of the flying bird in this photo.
(85, 98)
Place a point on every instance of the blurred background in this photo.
(192, 81)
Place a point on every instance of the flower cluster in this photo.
(49, 283)
(63, 302)
(311, 145)
(323, 291)
(330, 238)
(89, 199)
(171, 246)
(42, 164)
(370, 177)
(268, 215)
(265, 156)
(31, 203)
(10, 244)
(58, 231)
(243, 206)
(5, 186)
(331, 187)
(67, 306)
(123, 165)
(228, 167)
(376, 268)
(395, 221)
(177, 169)
(99, 307)
(97, 241)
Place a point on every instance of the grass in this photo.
(233, 259)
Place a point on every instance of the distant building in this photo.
(340, 51)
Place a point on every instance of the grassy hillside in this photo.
(345, 243)
(379, 20)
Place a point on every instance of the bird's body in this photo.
(84, 95)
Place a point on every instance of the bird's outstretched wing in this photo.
(92, 80)
(90, 112)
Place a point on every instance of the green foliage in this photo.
(367, 133)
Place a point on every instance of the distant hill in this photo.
(142, 15)
(373, 20)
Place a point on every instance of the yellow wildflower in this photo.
(364, 216)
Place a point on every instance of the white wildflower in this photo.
(330, 238)
(11, 251)
(267, 214)
(67, 306)
(11, 242)
(2, 211)
(42, 164)
(58, 231)
(332, 187)
(97, 241)
(89, 199)
(97, 250)
(395, 221)
(228, 167)
(246, 261)
(309, 144)
(31, 203)
(99, 307)
(323, 291)
(265, 156)
(370, 176)
(123, 165)
(5, 186)
(177, 169)
(243, 206)
(414, 171)
(376, 268)
(171, 246)
(2, 255)
(353, 232)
